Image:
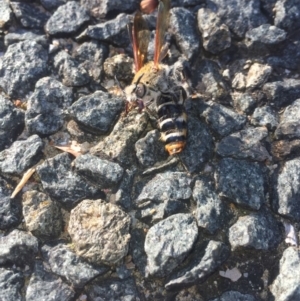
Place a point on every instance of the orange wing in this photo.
(148, 6)
(140, 36)
(161, 28)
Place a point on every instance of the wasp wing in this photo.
(140, 36)
(148, 6)
(161, 28)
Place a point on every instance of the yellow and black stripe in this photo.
(172, 121)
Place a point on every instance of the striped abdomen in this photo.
(172, 121)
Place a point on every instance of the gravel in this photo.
(117, 218)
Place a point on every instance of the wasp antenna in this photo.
(119, 85)
(184, 166)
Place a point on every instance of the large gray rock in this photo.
(12, 122)
(241, 182)
(67, 18)
(289, 126)
(46, 108)
(10, 210)
(42, 216)
(238, 15)
(112, 31)
(18, 76)
(11, 283)
(67, 264)
(186, 36)
(62, 183)
(286, 286)
(168, 243)
(97, 111)
(210, 210)
(44, 285)
(257, 230)
(22, 155)
(102, 173)
(215, 35)
(245, 144)
(213, 255)
(99, 231)
(18, 247)
(286, 190)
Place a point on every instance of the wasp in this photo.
(156, 87)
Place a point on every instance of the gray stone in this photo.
(263, 37)
(215, 35)
(245, 144)
(238, 15)
(199, 145)
(99, 231)
(18, 247)
(234, 295)
(32, 60)
(123, 272)
(150, 149)
(29, 15)
(21, 155)
(286, 285)
(187, 3)
(119, 66)
(258, 74)
(5, 13)
(222, 119)
(62, 184)
(42, 216)
(113, 31)
(265, 116)
(242, 182)
(186, 36)
(178, 232)
(214, 86)
(113, 290)
(289, 126)
(69, 70)
(47, 106)
(44, 285)
(120, 143)
(282, 93)
(101, 9)
(287, 14)
(68, 18)
(283, 149)
(102, 173)
(11, 283)
(213, 255)
(239, 81)
(52, 4)
(243, 102)
(91, 56)
(165, 186)
(268, 6)
(12, 122)
(136, 249)
(63, 262)
(286, 190)
(210, 210)
(157, 211)
(97, 111)
(257, 230)
(10, 211)
(21, 35)
(123, 194)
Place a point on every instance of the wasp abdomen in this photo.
(172, 121)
